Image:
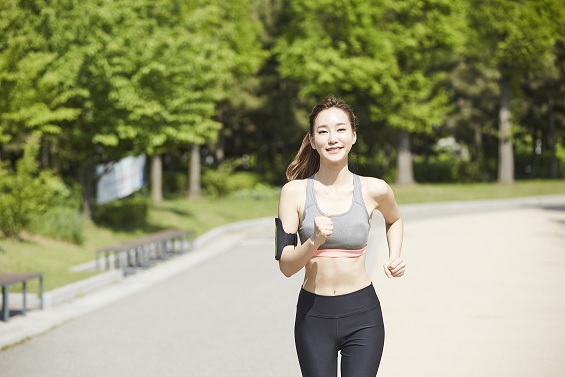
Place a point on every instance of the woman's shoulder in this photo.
(294, 187)
(375, 187)
(293, 195)
(295, 184)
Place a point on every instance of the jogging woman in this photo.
(330, 208)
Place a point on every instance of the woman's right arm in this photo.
(294, 258)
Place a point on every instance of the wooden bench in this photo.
(8, 279)
(144, 251)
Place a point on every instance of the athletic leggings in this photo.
(351, 323)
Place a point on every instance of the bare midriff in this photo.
(335, 276)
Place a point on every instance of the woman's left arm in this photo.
(387, 205)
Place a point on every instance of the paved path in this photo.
(483, 296)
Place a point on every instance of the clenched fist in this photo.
(395, 268)
(323, 228)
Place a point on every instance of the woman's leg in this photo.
(361, 342)
(316, 345)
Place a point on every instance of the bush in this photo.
(24, 192)
(259, 191)
(62, 223)
(126, 213)
(242, 180)
(444, 169)
(175, 183)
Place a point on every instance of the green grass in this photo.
(54, 258)
(428, 193)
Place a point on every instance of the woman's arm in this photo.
(293, 259)
(387, 205)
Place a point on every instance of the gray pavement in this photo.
(482, 297)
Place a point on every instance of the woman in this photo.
(331, 209)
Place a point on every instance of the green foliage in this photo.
(224, 180)
(351, 50)
(100, 80)
(216, 181)
(114, 77)
(243, 180)
(174, 183)
(445, 168)
(23, 192)
(259, 191)
(61, 223)
(515, 36)
(124, 214)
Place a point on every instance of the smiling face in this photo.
(333, 135)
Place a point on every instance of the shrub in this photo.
(24, 192)
(242, 180)
(126, 213)
(259, 191)
(216, 181)
(62, 223)
(175, 183)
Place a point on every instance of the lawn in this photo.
(54, 258)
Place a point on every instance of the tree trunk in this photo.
(405, 175)
(156, 179)
(194, 173)
(505, 152)
(553, 138)
(86, 182)
(219, 152)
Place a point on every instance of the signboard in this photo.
(119, 179)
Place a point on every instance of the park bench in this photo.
(9, 279)
(145, 251)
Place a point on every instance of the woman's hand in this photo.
(395, 268)
(323, 228)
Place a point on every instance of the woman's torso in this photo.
(351, 217)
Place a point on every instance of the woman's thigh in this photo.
(316, 345)
(361, 343)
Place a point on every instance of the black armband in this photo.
(282, 239)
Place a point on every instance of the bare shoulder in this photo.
(375, 188)
(293, 188)
(291, 203)
(378, 195)
(293, 192)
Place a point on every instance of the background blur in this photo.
(216, 94)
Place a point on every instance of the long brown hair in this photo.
(307, 160)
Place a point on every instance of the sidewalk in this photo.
(36, 322)
(482, 297)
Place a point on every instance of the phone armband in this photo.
(282, 239)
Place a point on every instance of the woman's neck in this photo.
(329, 177)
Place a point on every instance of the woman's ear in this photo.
(311, 139)
(354, 136)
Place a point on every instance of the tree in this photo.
(189, 58)
(35, 75)
(387, 56)
(111, 78)
(514, 37)
(427, 36)
(25, 191)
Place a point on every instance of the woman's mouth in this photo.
(333, 149)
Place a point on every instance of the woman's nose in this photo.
(333, 137)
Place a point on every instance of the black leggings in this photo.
(350, 323)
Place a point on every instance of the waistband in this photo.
(345, 305)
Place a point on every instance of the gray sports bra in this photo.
(351, 228)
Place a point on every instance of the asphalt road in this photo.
(483, 296)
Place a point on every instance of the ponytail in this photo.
(305, 163)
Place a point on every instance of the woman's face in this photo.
(333, 136)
